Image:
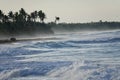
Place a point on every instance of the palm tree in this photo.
(23, 14)
(11, 15)
(5, 18)
(41, 15)
(1, 15)
(57, 19)
(35, 14)
(32, 16)
(29, 18)
(16, 16)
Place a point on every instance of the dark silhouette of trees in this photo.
(1, 15)
(16, 16)
(11, 16)
(36, 15)
(29, 18)
(57, 19)
(42, 16)
(22, 16)
(5, 19)
(33, 16)
(21, 22)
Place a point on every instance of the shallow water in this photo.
(75, 56)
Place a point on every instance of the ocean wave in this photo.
(87, 56)
(75, 43)
(96, 41)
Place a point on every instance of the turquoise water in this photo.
(74, 56)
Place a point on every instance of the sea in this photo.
(86, 55)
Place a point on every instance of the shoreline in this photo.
(21, 40)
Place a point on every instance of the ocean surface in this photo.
(90, 55)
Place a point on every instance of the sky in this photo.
(70, 11)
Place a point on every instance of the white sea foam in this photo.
(9, 74)
(86, 56)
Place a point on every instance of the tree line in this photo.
(22, 16)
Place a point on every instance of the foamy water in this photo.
(76, 56)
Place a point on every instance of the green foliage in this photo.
(21, 28)
(22, 23)
(22, 16)
(17, 23)
(41, 15)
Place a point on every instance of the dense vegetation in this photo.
(79, 27)
(22, 16)
(89, 26)
(21, 22)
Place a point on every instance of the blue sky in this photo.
(68, 10)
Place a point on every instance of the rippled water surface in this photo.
(75, 56)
